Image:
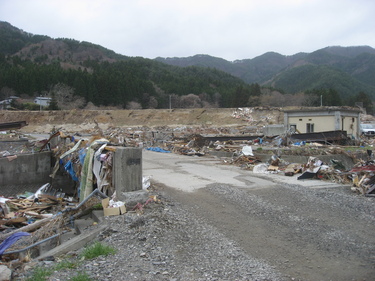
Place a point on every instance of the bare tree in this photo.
(191, 101)
(6, 92)
(133, 105)
(153, 102)
(175, 101)
(65, 97)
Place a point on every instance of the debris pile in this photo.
(49, 213)
(42, 216)
(251, 115)
(361, 176)
(364, 178)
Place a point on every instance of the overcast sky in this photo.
(229, 29)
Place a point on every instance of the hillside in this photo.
(33, 65)
(282, 72)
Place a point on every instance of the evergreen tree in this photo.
(53, 103)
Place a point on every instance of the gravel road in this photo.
(217, 222)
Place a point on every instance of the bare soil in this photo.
(88, 120)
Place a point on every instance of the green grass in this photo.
(40, 274)
(98, 206)
(97, 249)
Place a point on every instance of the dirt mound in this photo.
(85, 120)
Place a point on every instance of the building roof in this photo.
(323, 108)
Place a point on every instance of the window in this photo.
(309, 127)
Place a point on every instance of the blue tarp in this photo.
(158, 149)
(300, 143)
(11, 240)
(69, 168)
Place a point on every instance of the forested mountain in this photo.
(78, 74)
(38, 65)
(346, 69)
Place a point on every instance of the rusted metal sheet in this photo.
(233, 138)
(12, 125)
(326, 137)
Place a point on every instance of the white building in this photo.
(42, 101)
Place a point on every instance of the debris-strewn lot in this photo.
(220, 232)
(167, 242)
(226, 233)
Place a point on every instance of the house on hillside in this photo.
(323, 119)
(7, 103)
(42, 101)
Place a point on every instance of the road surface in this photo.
(307, 230)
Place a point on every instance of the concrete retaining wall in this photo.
(274, 130)
(26, 169)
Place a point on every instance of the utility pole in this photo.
(321, 100)
(170, 104)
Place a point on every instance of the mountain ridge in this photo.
(348, 69)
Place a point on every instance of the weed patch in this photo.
(96, 250)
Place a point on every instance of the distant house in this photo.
(323, 119)
(6, 104)
(42, 101)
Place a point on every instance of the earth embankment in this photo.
(81, 120)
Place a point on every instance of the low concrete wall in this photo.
(26, 169)
(274, 130)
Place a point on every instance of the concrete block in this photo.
(274, 130)
(132, 198)
(75, 243)
(26, 169)
(97, 215)
(127, 170)
(46, 246)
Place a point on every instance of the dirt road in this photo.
(308, 230)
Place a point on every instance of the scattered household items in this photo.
(113, 208)
(34, 218)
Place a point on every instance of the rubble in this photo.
(193, 141)
(87, 160)
(49, 213)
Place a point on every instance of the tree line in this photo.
(144, 83)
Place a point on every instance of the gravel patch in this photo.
(167, 242)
